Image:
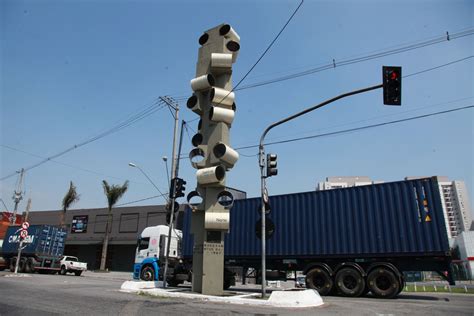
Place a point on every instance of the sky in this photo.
(71, 70)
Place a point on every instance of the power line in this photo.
(262, 55)
(133, 119)
(361, 128)
(65, 164)
(349, 61)
(269, 46)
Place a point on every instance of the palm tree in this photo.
(113, 194)
(70, 198)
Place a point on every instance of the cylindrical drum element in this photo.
(222, 97)
(217, 114)
(203, 82)
(226, 154)
(217, 220)
(221, 60)
(228, 32)
(197, 155)
(194, 199)
(233, 47)
(226, 199)
(193, 104)
(197, 139)
(199, 124)
(204, 38)
(210, 175)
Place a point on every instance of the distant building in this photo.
(344, 182)
(454, 197)
(465, 243)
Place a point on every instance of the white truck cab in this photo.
(151, 251)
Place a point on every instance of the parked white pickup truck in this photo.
(72, 264)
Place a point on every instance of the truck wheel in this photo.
(78, 273)
(29, 266)
(402, 285)
(63, 270)
(227, 283)
(383, 283)
(147, 274)
(21, 265)
(350, 282)
(12, 264)
(319, 280)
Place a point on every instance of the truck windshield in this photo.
(143, 243)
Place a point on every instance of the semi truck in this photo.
(347, 241)
(5, 218)
(42, 252)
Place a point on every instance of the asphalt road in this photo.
(94, 294)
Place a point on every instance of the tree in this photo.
(113, 194)
(70, 198)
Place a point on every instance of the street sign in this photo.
(25, 225)
(23, 234)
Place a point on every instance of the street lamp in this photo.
(131, 164)
(165, 159)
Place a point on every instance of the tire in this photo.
(402, 285)
(147, 273)
(78, 273)
(227, 283)
(383, 283)
(29, 266)
(63, 270)
(12, 264)
(349, 282)
(21, 265)
(319, 280)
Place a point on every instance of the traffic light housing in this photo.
(392, 85)
(269, 228)
(168, 211)
(177, 188)
(272, 165)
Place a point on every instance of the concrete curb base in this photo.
(135, 286)
(288, 299)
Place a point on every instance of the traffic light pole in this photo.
(261, 160)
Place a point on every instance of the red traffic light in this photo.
(392, 85)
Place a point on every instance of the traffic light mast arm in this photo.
(261, 161)
(320, 105)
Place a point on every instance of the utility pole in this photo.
(20, 245)
(172, 104)
(17, 197)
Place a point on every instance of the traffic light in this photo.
(177, 188)
(392, 85)
(272, 165)
(168, 211)
(269, 228)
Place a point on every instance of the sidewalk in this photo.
(111, 275)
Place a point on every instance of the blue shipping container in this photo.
(390, 219)
(42, 240)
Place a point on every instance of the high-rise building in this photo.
(344, 182)
(454, 198)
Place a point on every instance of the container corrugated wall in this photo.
(42, 240)
(397, 219)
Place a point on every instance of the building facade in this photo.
(344, 182)
(86, 231)
(465, 243)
